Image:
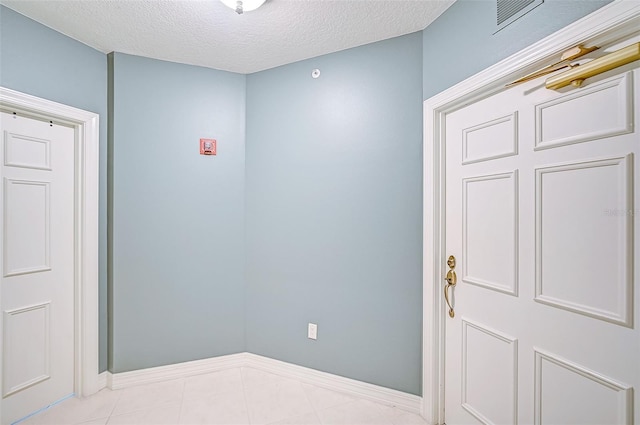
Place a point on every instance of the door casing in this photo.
(604, 26)
(86, 130)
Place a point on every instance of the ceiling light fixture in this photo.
(241, 6)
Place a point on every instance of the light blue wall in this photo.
(461, 42)
(177, 280)
(39, 61)
(334, 213)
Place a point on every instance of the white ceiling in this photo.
(207, 33)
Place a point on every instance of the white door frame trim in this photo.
(604, 26)
(86, 150)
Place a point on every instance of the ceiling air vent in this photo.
(508, 11)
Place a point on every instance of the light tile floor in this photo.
(232, 397)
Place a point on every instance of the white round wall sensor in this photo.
(315, 73)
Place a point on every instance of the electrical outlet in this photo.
(312, 332)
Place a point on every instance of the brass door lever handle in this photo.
(451, 280)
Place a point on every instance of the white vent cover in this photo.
(507, 11)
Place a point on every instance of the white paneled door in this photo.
(540, 217)
(37, 292)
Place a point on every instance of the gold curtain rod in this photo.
(577, 74)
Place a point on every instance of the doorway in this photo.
(34, 202)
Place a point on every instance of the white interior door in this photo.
(37, 287)
(540, 215)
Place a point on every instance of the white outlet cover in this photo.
(312, 332)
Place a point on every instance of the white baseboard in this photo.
(376, 393)
(102, 380)
(116, 381)
(329, 381)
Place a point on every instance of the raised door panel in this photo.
(26, 354)
(493, 139)
(567, 393)
(599, 110)
(489, 356)
(26, 242)
(26, 151)
(490, 213)
(584, 256)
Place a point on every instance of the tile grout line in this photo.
(114, 406)
(184, 387)
(244, 395)
(306, 395)
(145, 408)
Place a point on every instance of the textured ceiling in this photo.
(209, 34)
